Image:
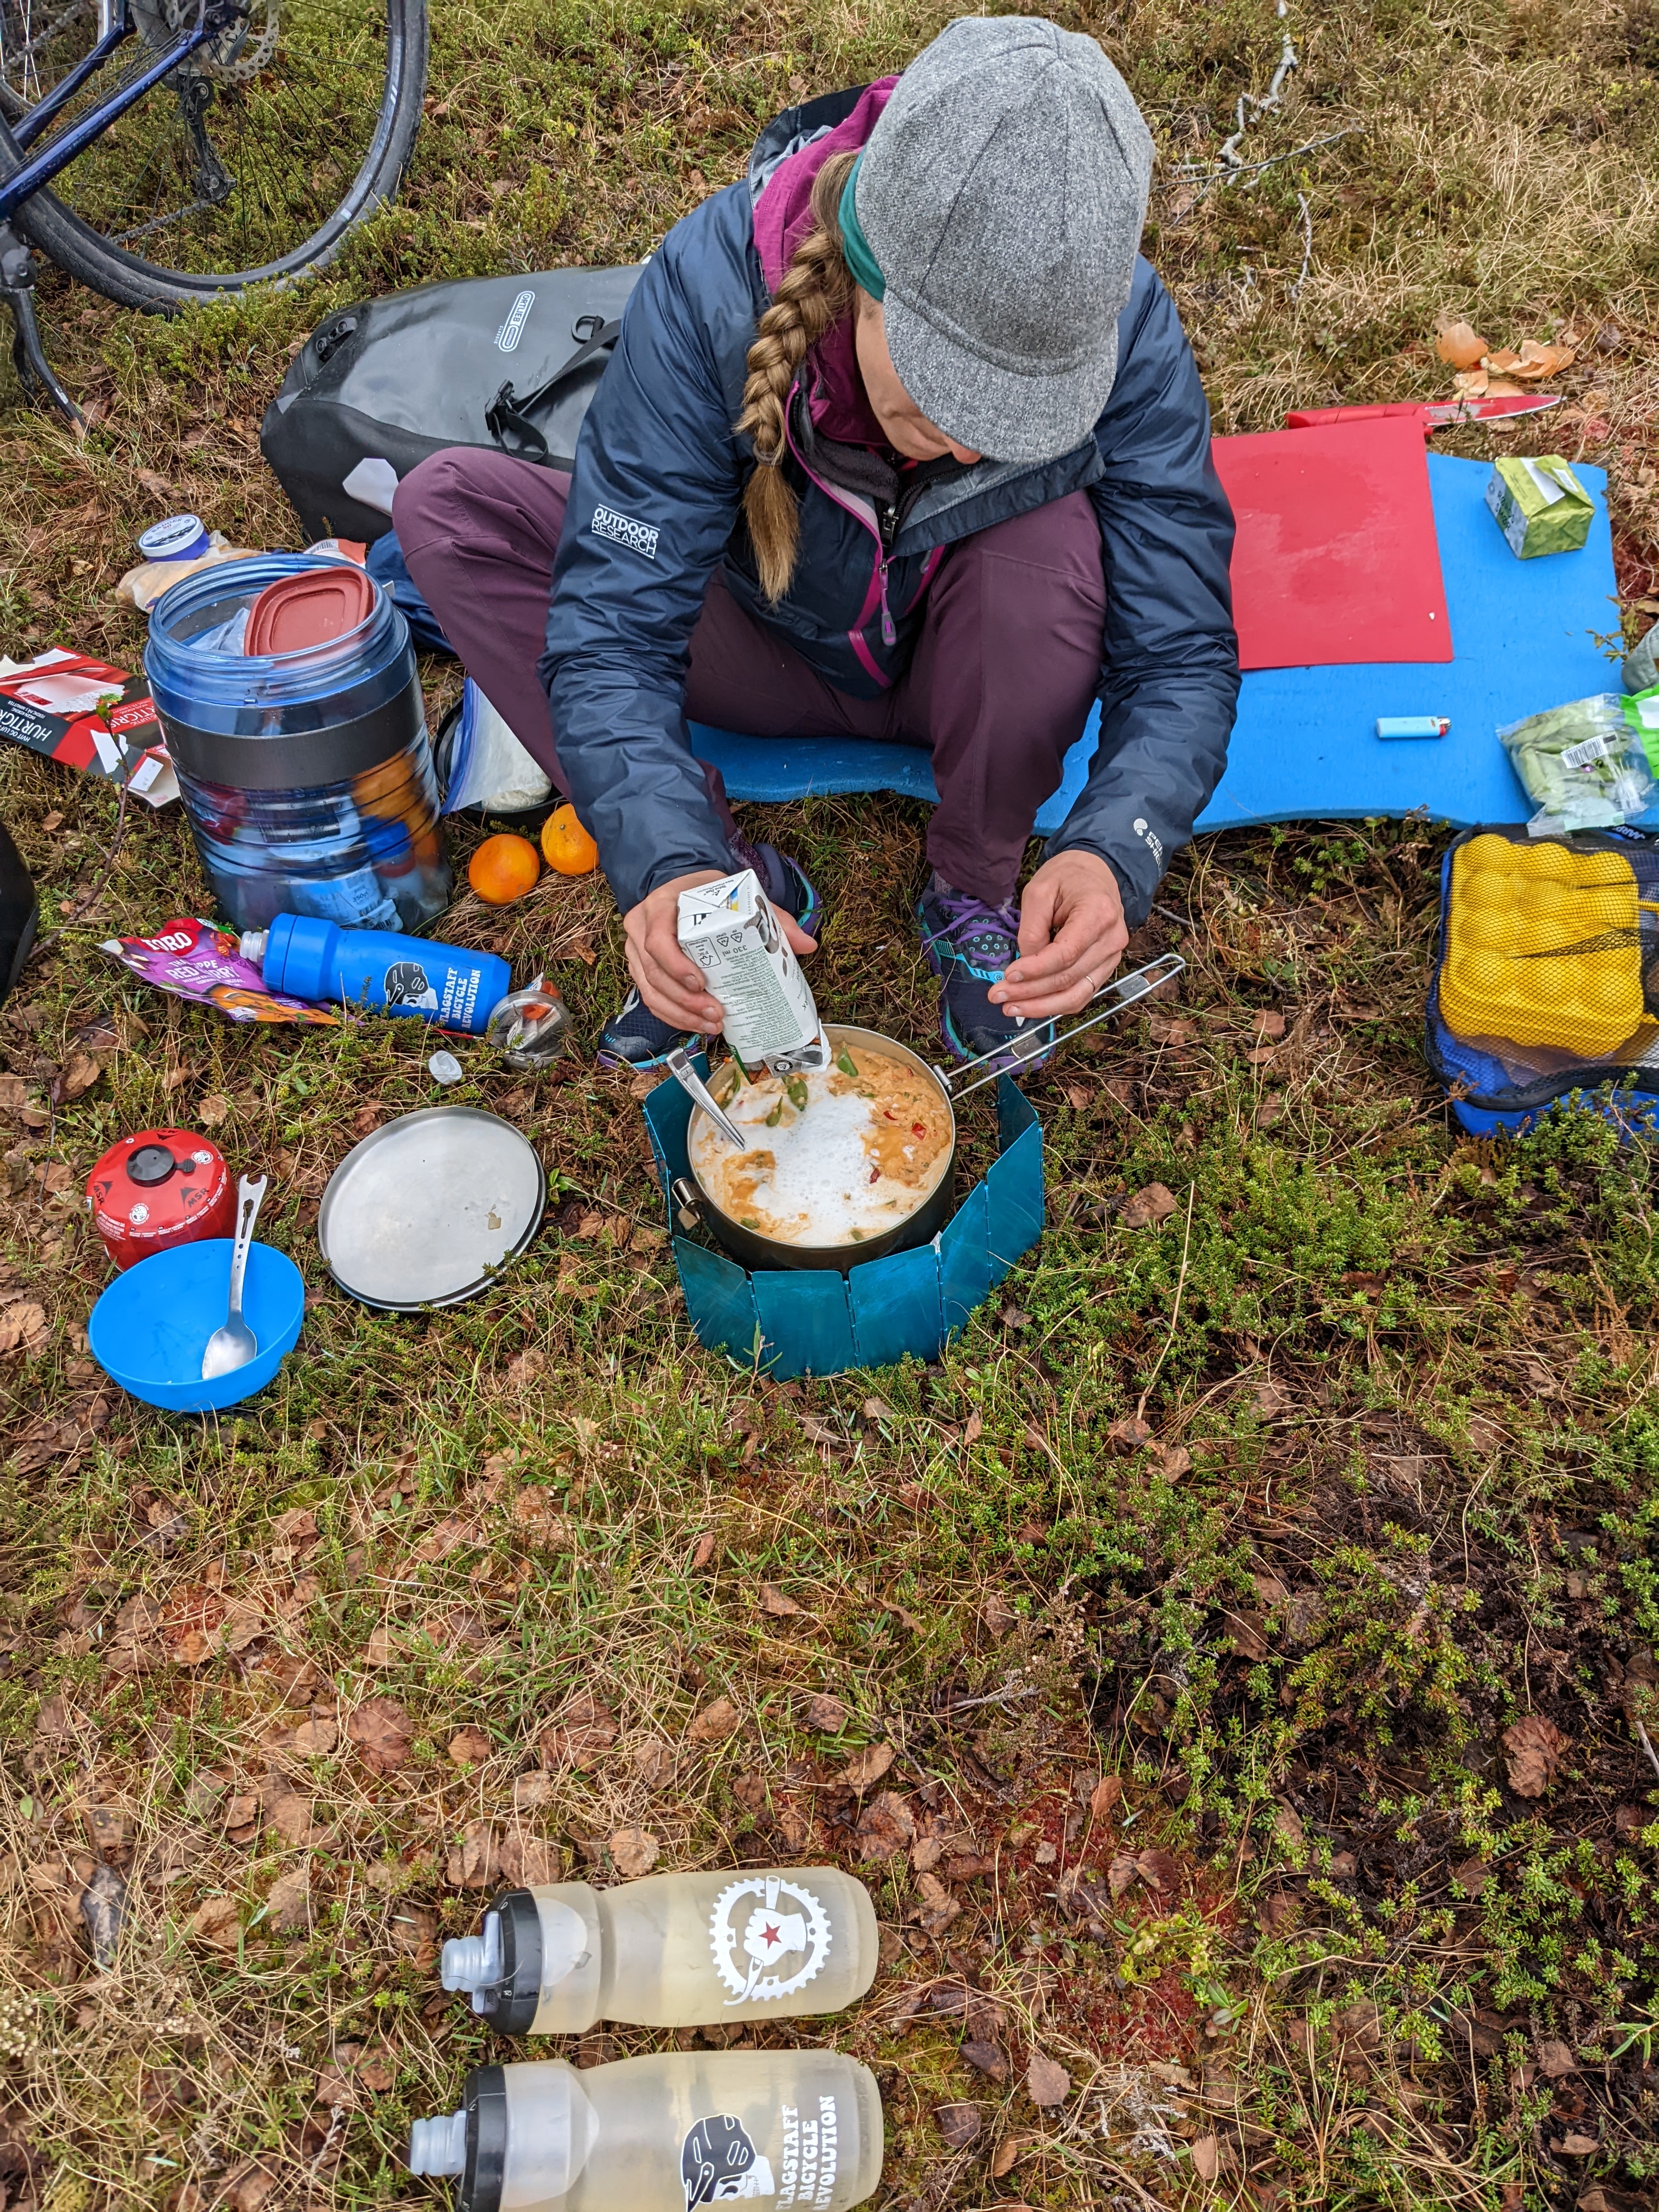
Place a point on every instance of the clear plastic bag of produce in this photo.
(1586, 765)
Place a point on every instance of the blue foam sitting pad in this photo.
(1305, 746)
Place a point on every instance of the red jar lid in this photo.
(309, 609)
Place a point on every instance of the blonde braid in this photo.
(814, 292)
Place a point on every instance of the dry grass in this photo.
(1400, 1489)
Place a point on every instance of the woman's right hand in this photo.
(671, 984)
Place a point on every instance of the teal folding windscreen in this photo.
(814, 1321)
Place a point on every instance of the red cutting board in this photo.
(1336, 560)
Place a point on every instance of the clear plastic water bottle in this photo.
(790, 2129)
(675, 1950)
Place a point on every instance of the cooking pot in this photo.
(757, 1251)
(695, 1207)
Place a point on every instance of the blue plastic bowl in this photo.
(149, 1329)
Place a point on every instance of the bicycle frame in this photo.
(23, 183)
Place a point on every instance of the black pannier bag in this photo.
(508, 361)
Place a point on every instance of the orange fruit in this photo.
(566, 845)
(503, 869)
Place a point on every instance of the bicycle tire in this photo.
(131, 281)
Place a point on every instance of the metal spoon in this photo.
(233, 1344)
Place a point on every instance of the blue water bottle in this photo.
(311, 959)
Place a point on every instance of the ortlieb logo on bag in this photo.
(512, 330)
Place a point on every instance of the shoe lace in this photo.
(966, 918)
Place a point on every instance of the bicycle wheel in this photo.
(250, 163)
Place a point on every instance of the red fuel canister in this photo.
(158, 1189)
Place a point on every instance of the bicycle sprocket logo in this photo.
(769, 1936)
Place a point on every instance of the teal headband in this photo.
(854, 245)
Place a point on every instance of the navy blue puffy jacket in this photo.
(656, 504)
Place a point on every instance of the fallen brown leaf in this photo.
(1005, 2157)
(985, 2057)
(653, 1762)
(475, 1862)
(213, 1109)
(1047, 2082)
(247, 2188)
(582, 1732)
(529, 1863)
(1158, 1870)
(1556, 2061)
(1102, 1798)
(1207, 2157)
(24, 1327)
(634, 1851)
(289, 1814)
(288, 1900)
(867, 1766)
(1472, 1876)
(469, 1746)
(959, 2124)
(383, 1732)
(1532, 1749)
(75, 1078)
(939, 1907)
(703, 1551)
(1132, 1432)
(777, 1603)
(997, 1616)
(1156, 1202)
(824, 1713)
(884, 1828)
(217, 1921)
(1120, 1873)
(714, 1723)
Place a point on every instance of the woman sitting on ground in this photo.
(902, 440)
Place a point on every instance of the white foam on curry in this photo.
(820, 1189)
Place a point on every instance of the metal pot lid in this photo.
(426, 1210)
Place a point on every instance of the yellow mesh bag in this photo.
(1542, 947)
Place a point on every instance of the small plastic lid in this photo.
(312, 608)
(180, 537)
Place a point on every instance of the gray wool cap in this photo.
(1002, 194)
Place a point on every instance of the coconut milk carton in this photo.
(730, 930)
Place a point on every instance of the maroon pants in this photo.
(998, 688)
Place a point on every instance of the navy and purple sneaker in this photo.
(634, 1038)
(968, 943)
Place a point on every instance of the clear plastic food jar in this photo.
(306, 776)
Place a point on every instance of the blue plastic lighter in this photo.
(1413, 726)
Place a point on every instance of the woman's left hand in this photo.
(1071, 936)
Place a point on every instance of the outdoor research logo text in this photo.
(637, 537)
